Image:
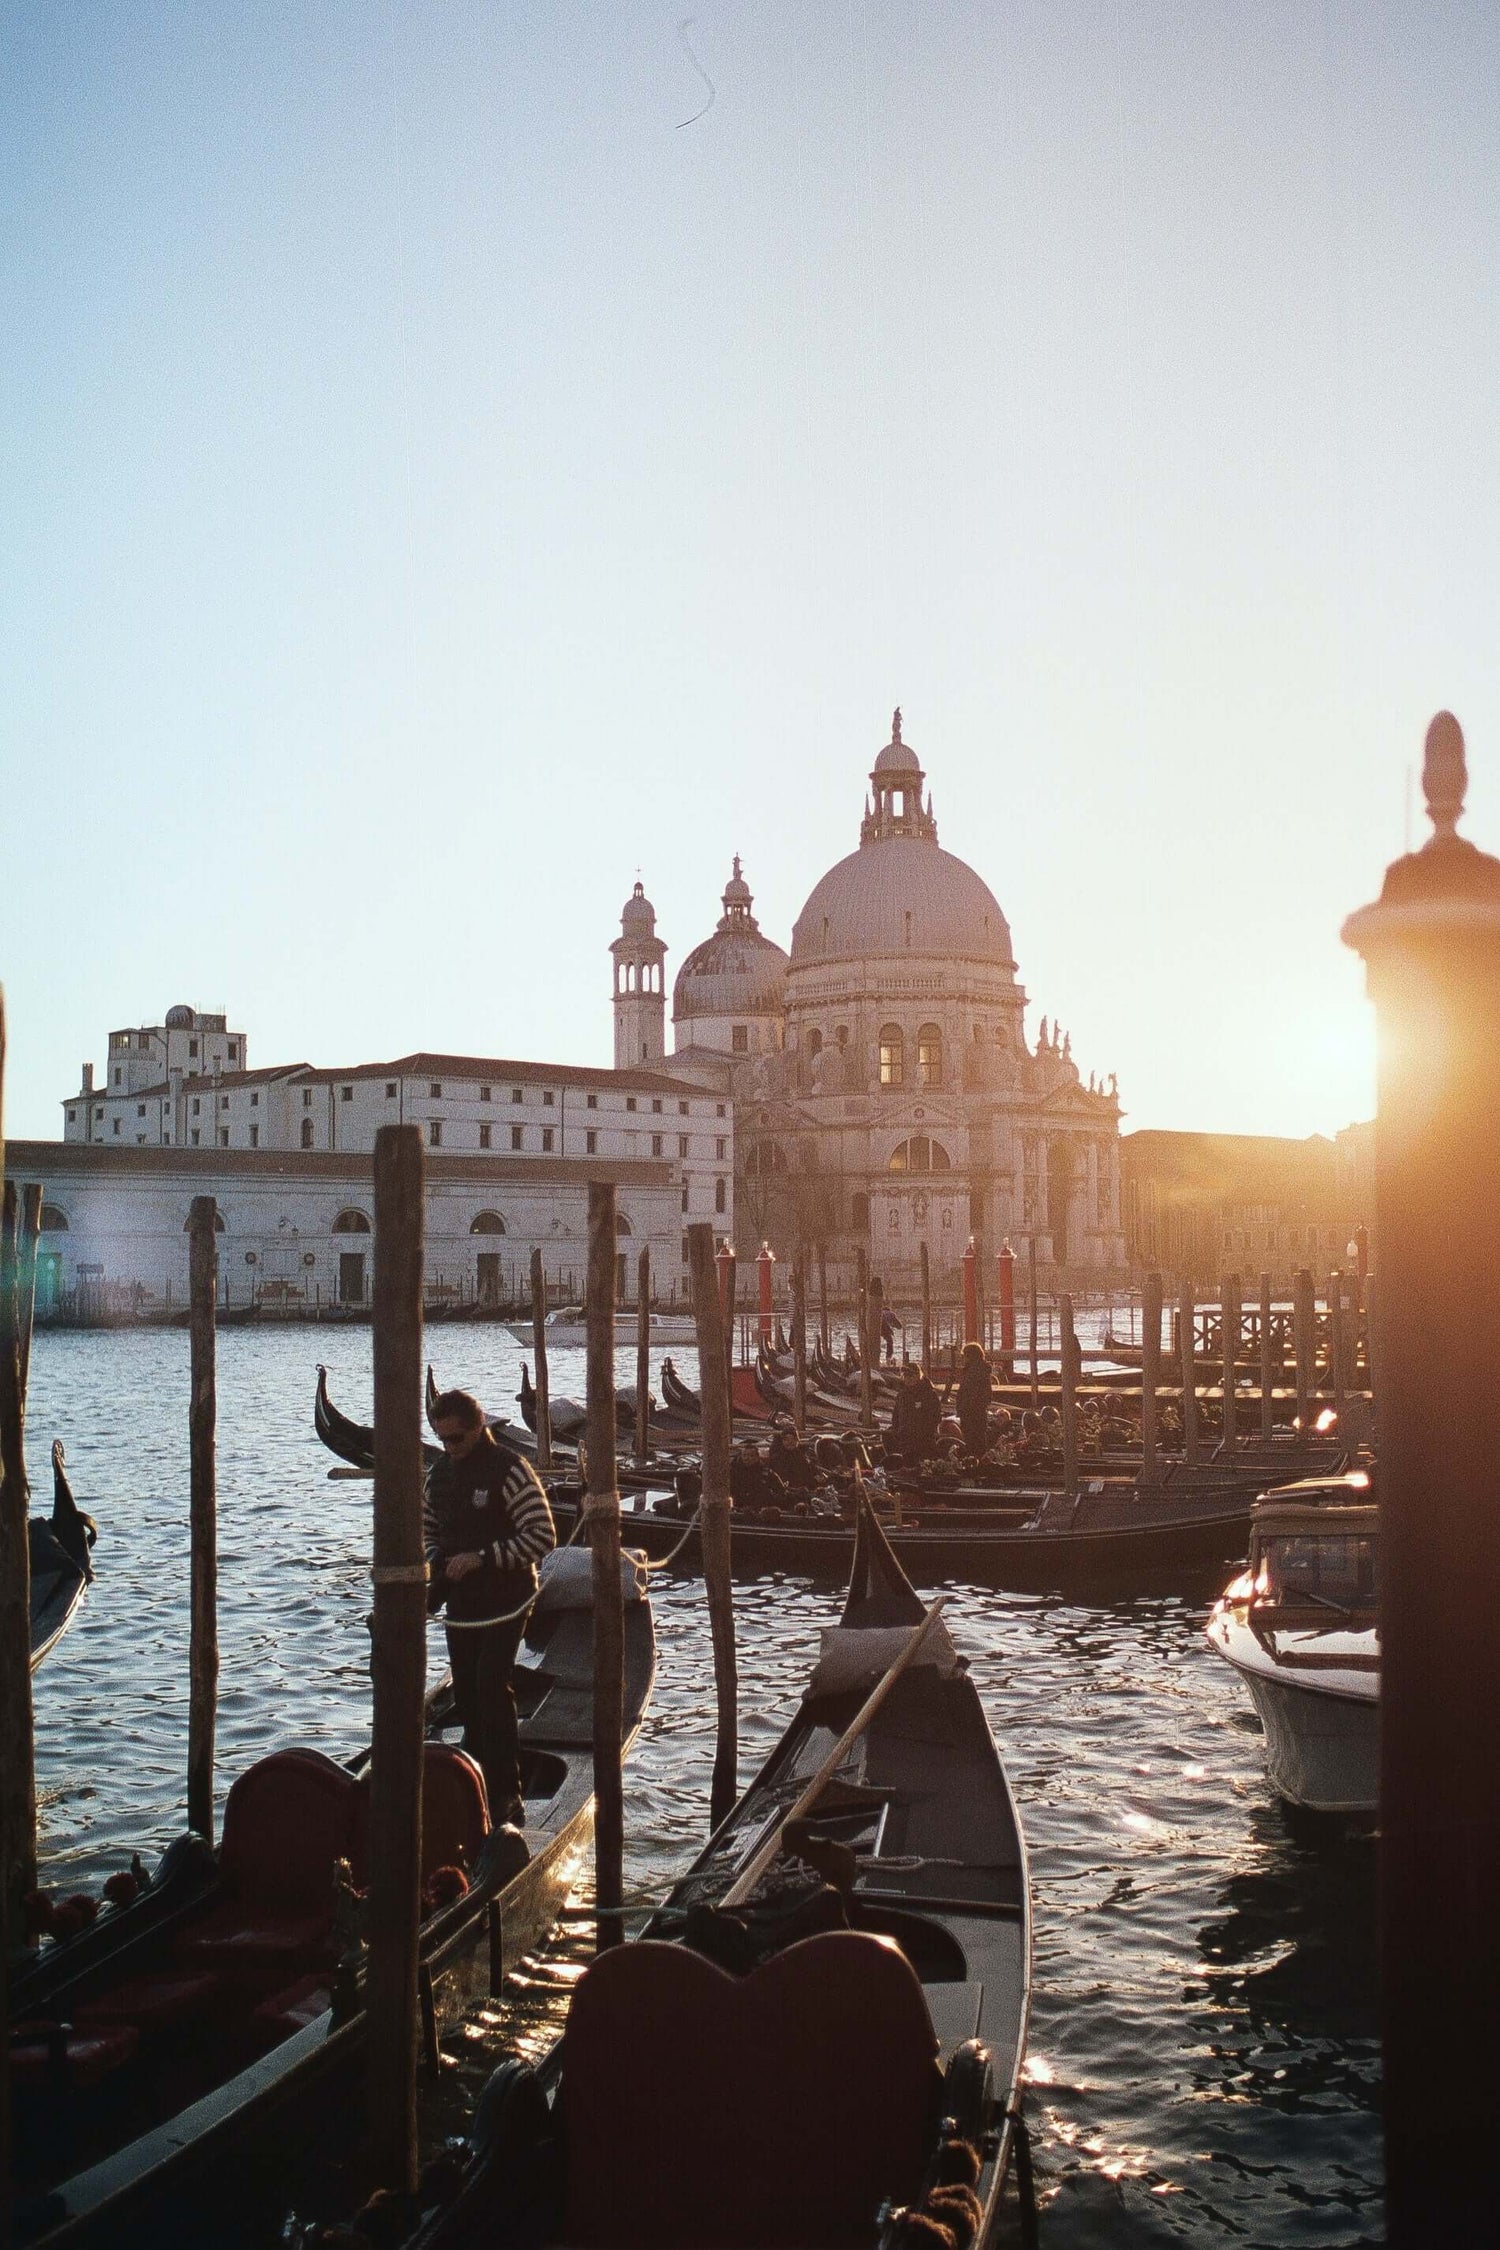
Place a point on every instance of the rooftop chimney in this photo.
(88, 1078)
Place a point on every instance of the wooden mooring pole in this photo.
(643, 1357)
(1031, 1314)
(926, 1265)
(539, 1353)
(875, 1323)
(203, 1511)
(603, 1505)
(1187, 1344)
(1432, 952)
(1150, 1376)
(799, 1341)
(1267, 1361)
(17, 1747)
(714, 1523)
(1069, 1376)
(1229, 1339)
(398, 1657)
(862, 1330)
(825, 1334)
(1304, 1332)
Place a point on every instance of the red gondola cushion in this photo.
(455, 1814)
(709, 2112)
(156, 2002)
(76, 2058)
(295, 2008)
(236, 1937)
(287, 1820)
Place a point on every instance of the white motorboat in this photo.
(1300, 1628)
(566, 1325)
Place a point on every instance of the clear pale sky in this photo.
(438, 482)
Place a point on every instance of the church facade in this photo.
(886, 1094)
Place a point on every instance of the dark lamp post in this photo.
(1431, 945)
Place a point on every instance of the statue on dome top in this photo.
(896, 724)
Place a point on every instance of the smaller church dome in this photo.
(738, 971)
(180, 1018)
(638, 914)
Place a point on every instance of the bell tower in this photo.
(640, 992)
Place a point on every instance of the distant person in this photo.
(749, 1485)
(914, 1417)
(888, 1326)
(788, 1460)
(974, 1398)
(486, 1526)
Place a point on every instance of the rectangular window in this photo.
(515, 1093)
(547, 1140)
(223, 1136)
(682, 1109)
(721, 1147)
(390, 1089)
(484, 1093)
(656, 1109)
(484, 1136)
(591, 1142)
(435, 1090)
(656, 1144)
(346, 1093)
(255, 1099)
(255, 1136)
(119, 1075)
(515, 1136)
(720, 1195)
(99, 1114)
(547, 1101)
(117, 1125)
(721, 1111)
(434, 1132)
(195, 1105)
(233, 1051)
(223, 1101)
(739, 1038)
(592, 1102)
(193, 1136)
(140, 1109)
(193, 1048)
(682, 1144)
(72, 1117)
(630, 1101)
(684, 1195)
(307, 1097)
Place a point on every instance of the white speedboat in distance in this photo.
(1300, 1629)
(565, 1324)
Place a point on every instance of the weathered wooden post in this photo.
(726, 1272)
(398, 1656)
(1267, 1362)
(643, 1357)
(875, 1321)
(17, 1747)
(539, 1353)
(1338, 1370)
(1187, 1343)
(971, 1292)
(1069, 1373)
(1304, 1331)
(825, 1334)
(1432, 952)
(28, 1242)
(203, 1512)
(765, 1303)
(1229, 1338)
(1005, 1286)
(799, 1341)
(1036, 1380)
(926, 1266)
(1150, 1375)
(714, 1525)
(862, 1330)
(603, 1507)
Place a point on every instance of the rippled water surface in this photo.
(1204, 2057)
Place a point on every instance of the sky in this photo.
(443, 476)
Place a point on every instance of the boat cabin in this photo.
(1317, 1562)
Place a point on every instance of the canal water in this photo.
(1204, 2050)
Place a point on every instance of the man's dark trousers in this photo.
(483, 1659)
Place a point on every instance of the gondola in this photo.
(187, 2052)
(833, 2054)
(61, 1571)
(677, 1395)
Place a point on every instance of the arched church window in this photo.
(54, 1221)
(351, 1222)
(486, 1222)
(892, 1055)
(622, 1224)
(919, 1154)
(930, 1055)
(307, 1132)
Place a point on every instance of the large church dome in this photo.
(736, 973)
(900, 893)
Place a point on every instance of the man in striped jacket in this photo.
(486, 1527)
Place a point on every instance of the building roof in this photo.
(199, 1082)
(478, 1067)
(55, 1161)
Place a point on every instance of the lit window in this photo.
(892, 1055)
(930, 1055)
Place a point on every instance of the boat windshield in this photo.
(1324, 1569)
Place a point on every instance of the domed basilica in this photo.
(884, 1090)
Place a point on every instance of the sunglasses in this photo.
(446, 1438)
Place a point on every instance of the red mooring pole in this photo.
(1431, 947)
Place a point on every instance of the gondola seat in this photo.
(59, 2058)
(161, 2000)
(455, 1815)
(293, 2009)
(769, 2112)
(287, 1821)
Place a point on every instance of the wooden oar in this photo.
(746, 1881)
